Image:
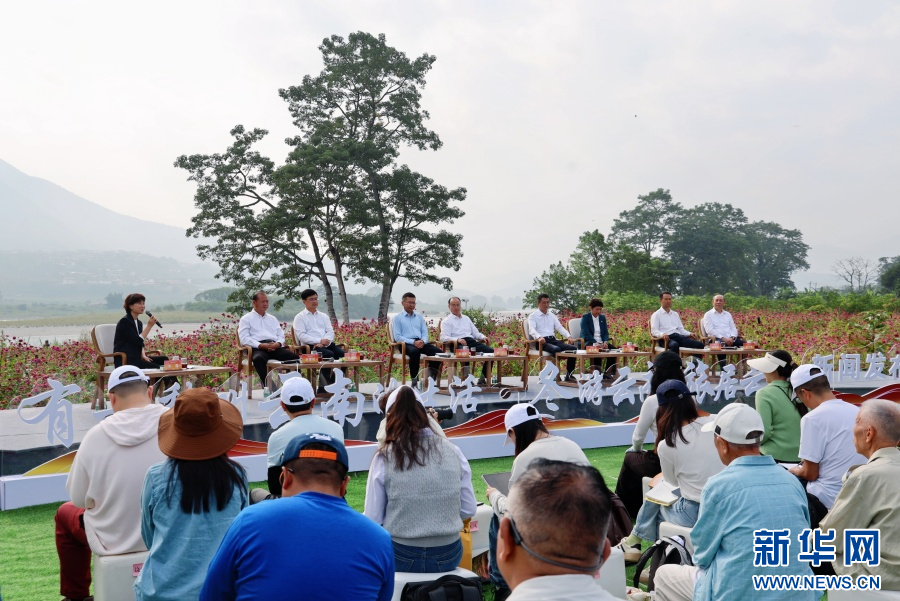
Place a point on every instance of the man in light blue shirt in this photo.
(752, 493)
(410, 327)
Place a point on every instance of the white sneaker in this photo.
(632, 552)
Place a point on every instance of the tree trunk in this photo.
(342, 289)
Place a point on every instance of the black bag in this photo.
(446, 588)
(620, 524)
(665, 551)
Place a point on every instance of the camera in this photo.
(442, 414)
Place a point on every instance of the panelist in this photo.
(543, 325)
(314, 328)
(665, 321)
(262, 332)
(131, 335)
(459, 328)
(595, 332)
(410, 328)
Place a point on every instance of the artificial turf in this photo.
(29, 568)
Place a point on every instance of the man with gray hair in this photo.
(752, 493)
(552, 540)
(868, 499)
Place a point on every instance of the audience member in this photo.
(131, 336)
(776, 405)
(386, 403)
(826, 440)
(552, 540)
(297, 400)
(752, 493)
(666, 322)
(313, 328)
(686, 465)
(543, 325)
(459, 328)
(638, 463)
(868, 498)
(525, 428)
(310, 544)
(410, 328)
(104, 483)
(262, 333)
(190, 499)
(595, 332)
(420, 490)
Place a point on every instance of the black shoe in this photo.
(321, 390)
(501, 593)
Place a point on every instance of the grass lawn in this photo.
(29, 568)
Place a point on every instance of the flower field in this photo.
(24, 369)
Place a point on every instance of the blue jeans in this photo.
(496, 577)
(444, 558)
(682, 512)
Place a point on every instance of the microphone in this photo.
(158, 323)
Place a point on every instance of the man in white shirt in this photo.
(262, 332)
(459, 328)
(827, 449)
(665, 321)
(718, 323)
(314, 328)
(543, 325)
(552, 540)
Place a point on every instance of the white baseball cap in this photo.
(393, 398)
(804, 374)
(766, 364)
(297, 392)
(519, 414)
(118, 376)
(735, 423)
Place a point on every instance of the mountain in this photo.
(39, 215)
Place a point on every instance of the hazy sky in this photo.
(554, 115)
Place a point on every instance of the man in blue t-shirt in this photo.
(310, 544)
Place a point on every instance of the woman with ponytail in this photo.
(780, 413)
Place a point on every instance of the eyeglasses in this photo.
(281, 475)
(517, 538)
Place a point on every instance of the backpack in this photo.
(446, 588)
(665, 551)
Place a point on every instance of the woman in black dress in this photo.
(131, 335)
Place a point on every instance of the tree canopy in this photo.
(341, 206)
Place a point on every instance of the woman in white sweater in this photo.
(687, 457)
(639, 463)
(525, 428)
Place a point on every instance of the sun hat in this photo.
(392, 398)
(294, 449)
(805, 374)
(735, 423)
(200, 426)
(519, 414)
(670, 390)
(118, 376)
(766, 364)
(297, 392)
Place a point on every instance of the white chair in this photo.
(103, 338)
(863, 595)
(669, 529)
(612, 574)
(114, 575)
(482, 520)
(574, 326)
(403, 578)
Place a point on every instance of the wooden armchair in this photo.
(574, 326)
(302, 348)
(535, 348)
(396, 352)
(245, 363)
(450, 345)
(657, 344)
(702, 335)
(103, 338)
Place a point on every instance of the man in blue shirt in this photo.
(752, 493)
(410, 327)
(310, 544)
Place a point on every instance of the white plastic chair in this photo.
(114, 575)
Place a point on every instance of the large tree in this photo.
(775, 253)
(647, 226)
(367, 99)
(630, 270)
(340, 197)
(572, 286)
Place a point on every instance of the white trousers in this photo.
(675, 583)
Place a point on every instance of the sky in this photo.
(554, 116)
